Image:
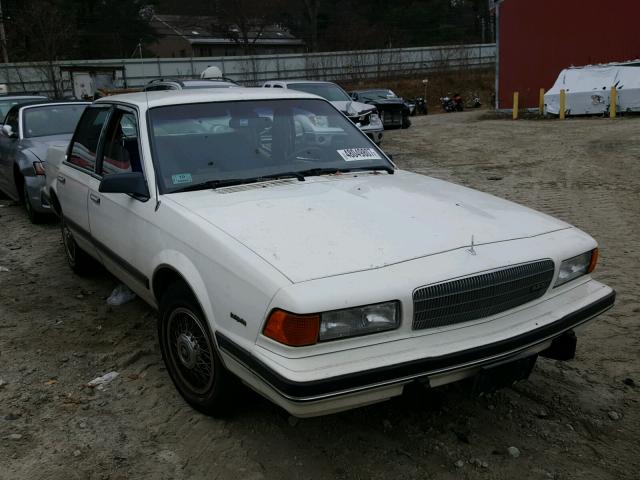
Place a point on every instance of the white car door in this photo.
(76, 175)
(119, 225)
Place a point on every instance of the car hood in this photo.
(39, 145)
(335, 225)
(351, 108)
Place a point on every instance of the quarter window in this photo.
(121, 152)
(85, 140)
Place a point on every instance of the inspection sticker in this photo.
(355, 154)
(181, 178)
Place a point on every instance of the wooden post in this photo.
(541, 102)
(613, 105)
(563, 100)
(515, 105)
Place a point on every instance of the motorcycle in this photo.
(453, 103)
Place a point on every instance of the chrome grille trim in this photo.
(479, 296)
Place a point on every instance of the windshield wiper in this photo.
(228, 182)
(300, 175)
(314, 172)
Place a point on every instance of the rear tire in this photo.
(190, 354)
(80, 261)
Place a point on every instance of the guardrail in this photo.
(55, 77)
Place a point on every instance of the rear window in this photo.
(51, 120)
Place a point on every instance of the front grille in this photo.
(392, 117)
(480, 296)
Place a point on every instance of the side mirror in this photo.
(8, 131)
(131, 183)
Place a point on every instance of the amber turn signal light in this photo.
(594, 260)
(291, 329)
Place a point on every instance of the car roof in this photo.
(205, 95)
(204, 83)
(292, 82)
(373, 90)
(36, 103)
(192, 82)
(19, 97)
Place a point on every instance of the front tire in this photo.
(190, 354)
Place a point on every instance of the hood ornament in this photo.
(472, 250)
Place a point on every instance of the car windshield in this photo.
(378, 95)
(328, 91)
(5, 105)
(51, 119)
(206, 145)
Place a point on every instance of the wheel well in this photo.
(163, 278)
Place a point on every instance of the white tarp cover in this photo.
(588, 89)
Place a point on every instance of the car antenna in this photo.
(146, 96)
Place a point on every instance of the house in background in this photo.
(198, 36)
(537, 39)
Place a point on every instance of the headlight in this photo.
(353, 322)
(577, 266)
(300, 330)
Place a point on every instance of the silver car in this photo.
(28, 131)
(8, 101)
(364, 116)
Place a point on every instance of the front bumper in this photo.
(374, 131)
(532, 330)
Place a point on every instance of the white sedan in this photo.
(283, 247)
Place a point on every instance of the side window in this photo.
(87, 136)
(278, 86)
(121, 152)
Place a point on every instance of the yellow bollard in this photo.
(613, 105)
(541, 102)
(515, 105)
(563, 100)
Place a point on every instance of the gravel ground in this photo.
(575, 420)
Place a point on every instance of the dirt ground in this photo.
(575, 420)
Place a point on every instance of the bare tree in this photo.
(245, 21)
(312, 8)
(45, 33)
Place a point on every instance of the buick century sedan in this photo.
(282, 247)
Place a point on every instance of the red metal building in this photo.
(538, 38)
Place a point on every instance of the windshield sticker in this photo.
(355, 154)
(179, 178)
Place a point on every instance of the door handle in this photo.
(94, 198)
(61, 179)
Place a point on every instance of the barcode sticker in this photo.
(355, 154)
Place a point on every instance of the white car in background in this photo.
(365, 116)
(281, 246)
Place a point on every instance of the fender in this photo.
(185, 268)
